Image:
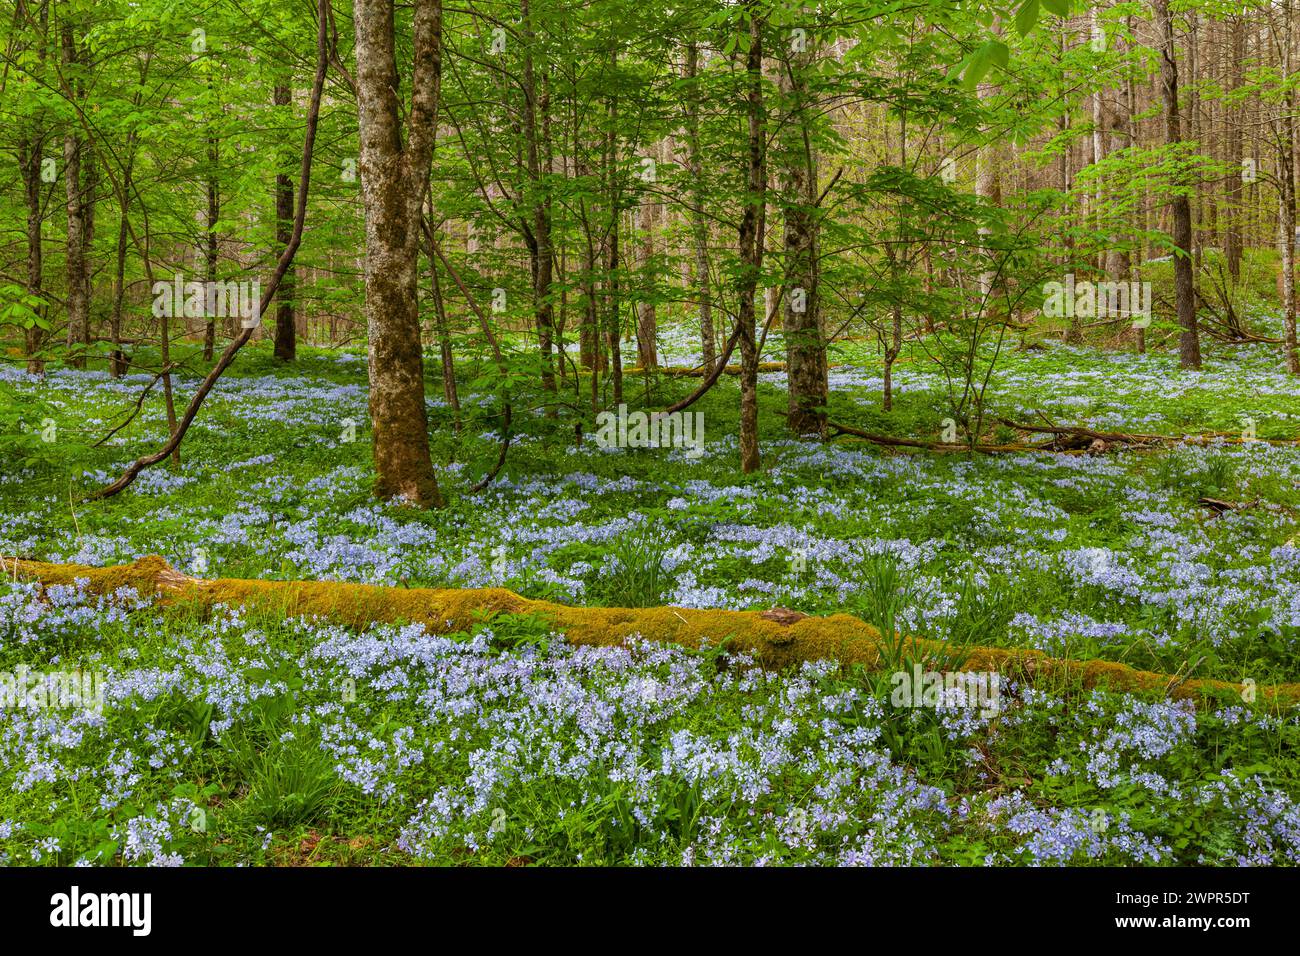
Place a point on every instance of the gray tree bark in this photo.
(394, 177)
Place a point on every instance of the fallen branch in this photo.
(1074, 435)
(700, 371)
(890, 441)
(1067, 439)
(776, 638)
(1219, 506)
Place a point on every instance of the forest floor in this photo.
(241, 738)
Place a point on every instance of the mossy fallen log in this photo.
(775, 638)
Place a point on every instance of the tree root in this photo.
(776, 638)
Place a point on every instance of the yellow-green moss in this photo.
(839, 636)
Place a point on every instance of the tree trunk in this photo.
(117, 361)
(449, 391)
(590, 354)
(1194, 134)
(394, 178)
(988, 186)
(77, 271)
(805, 348)
(1232, 238)
(29, 165)
(751, 242)
(286, 331)
(647, 330)
(614, 319)
(540, 246)
(210, 245)
(1286, 176)
(699, 225)
(31, 142)
(1131, 116)
(1189, 345)
(1108, 130)
(1098, 139)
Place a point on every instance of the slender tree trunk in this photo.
(806, 371)
(210, 245)
(1109, 134)
(614, 320)
(1194, 133)
(699, 225)
(540, 246)
(29, 165)
(286, 330)
(927, 260)
(614, 327)
(1189, 345)
(590, 354)
(76, 270)
(1098, 133)
(394, 178)
(445, 353)
(751, 241)
(1232, 235)
(988, 185)
(1286, 176)
(117, 361)
(31, 143)
(892, 351)
(1132, 129)
(647, 327)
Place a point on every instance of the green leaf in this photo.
(1027, 16)
(977, 66)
